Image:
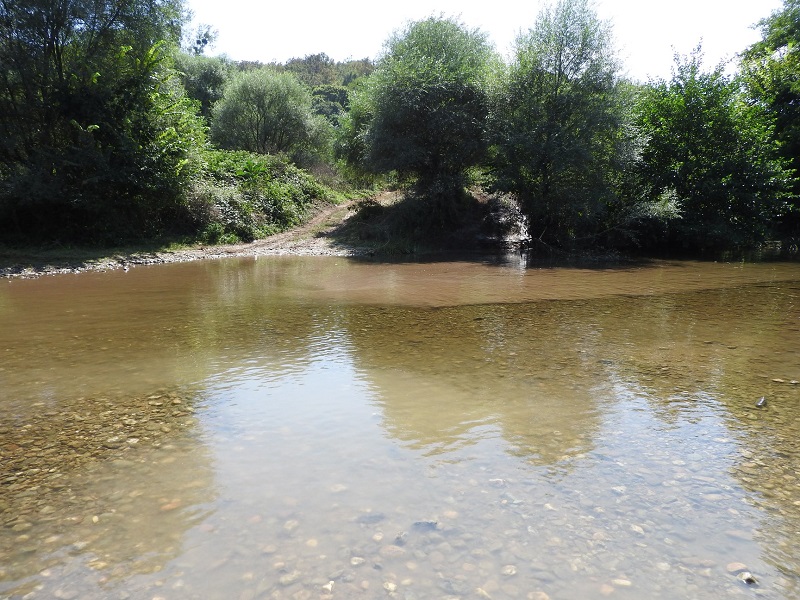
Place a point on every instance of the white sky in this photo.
(647, 32)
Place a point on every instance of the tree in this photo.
(771, 71)
(314, 70)
(352, 71)
(200, 39)
(96, 141)
(330, 101)
(204, 78)
(267, 112)
(425, 107)
(713, 150)
(564, 140)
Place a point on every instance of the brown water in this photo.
(324, 428)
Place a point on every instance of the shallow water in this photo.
(320, 427)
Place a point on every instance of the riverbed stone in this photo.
(735, 567)
(746, 577)
(392, 551)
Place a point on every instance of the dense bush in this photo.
(243, 196)
(565, 143)
(97, 142)
(103, 131)
(204, 78)
(771, 73)
(712, 150)
(268, 112)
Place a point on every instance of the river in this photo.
(323, 427)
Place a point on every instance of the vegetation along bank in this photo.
(116, 129)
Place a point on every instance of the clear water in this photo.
(326, 428)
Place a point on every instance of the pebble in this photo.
(390, 586)
(735, 567)
(511, 548)
(171, 505)
(391, 551)
(291, 525)
(509, 570)
(289, 578)
(747, 577)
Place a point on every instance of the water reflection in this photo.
(448, 377)
(463, 429)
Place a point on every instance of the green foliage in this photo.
(96, 141)
(771, 71)
(712, 149)
(564, 140)
(330, 101)
(243, 196)
(353, 71)
(422, 113)
(204, 78)
(268, 112)
(314, 70)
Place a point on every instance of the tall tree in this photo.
(426, 107)
(95, 137)
(714, 151)
(771, 70)
(204, 78)
(562, 129)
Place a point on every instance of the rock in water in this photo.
(747, 577)
(762, 402)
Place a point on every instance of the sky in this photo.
(647, 33)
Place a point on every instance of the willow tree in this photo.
(563, 134)
(423, 114)
(268, 112)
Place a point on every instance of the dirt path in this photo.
(311, 238)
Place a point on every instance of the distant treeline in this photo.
(115, 126)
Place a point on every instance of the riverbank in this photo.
(313, 237)
(359, 227)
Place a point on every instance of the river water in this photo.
(319, 427)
